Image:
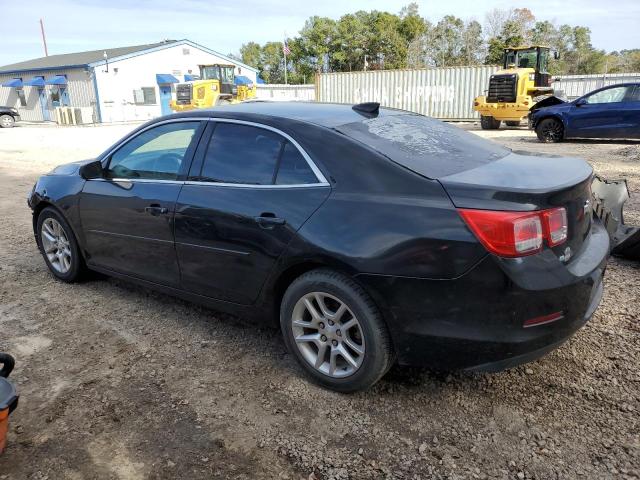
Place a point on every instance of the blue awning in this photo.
(242, 80)
(35, 82)
(57, 80)
(164, 78)
(191, 78)
(14, 82)
(260, 80)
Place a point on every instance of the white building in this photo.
(112, 85)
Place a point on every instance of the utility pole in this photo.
(44, 39)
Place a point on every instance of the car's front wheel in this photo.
(7, 121)
(550, 130)
(59, 246)
(335, 331)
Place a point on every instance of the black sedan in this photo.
(374, 235)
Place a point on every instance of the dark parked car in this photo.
(374, 235)
(8, 116)
(610, 112)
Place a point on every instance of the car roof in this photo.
(324, 114)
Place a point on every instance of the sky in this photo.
(79, 25)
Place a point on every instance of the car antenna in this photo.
(368, 108)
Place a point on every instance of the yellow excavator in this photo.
(217, 85)
(514, 89)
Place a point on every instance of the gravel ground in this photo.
(119, 382)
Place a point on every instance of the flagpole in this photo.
(285, 68)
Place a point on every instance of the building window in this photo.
(145, 96)
(21, 97)
(186, 51)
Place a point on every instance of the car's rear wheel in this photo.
(335, 331)
(7, 121)
(487, 122)
(550, 130)
(59, 246)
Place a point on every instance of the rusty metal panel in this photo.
(445, 93)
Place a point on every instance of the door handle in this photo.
(269, 220)
(156, 209)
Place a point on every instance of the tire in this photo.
(7, 121)
(550, 130)
(510, 123)
(489, 123)
(366, 341)
(59, 246)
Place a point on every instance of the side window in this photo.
(294, 169)
(636, 94)
(241, 154)
(610, 95)
(156, 153)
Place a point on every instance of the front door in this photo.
(127, 216)
(606, 113)
(249, 191)
(165, 99)
(42, 97)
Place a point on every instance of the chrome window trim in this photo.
(322, 181)
(250, 185)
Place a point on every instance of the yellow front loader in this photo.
(515, 88)
(217, 85)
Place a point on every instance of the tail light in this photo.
(516, 234)
(556, 227)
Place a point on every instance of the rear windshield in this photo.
(427, 146)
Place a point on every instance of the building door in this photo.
(165, 98)
(44, 104)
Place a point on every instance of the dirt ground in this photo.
(118, 382)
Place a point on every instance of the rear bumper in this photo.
(477, 321)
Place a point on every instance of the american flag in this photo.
(285, 47)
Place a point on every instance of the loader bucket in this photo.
(609, 197)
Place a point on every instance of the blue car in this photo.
(609, 112)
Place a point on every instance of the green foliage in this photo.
(377, 40)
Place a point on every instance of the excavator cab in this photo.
(523, 79)
(530, 57)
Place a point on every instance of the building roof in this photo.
(96, 57)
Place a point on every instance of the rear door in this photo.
(250, 189)
(127, 216)
(607, 113)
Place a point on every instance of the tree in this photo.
(251, 54)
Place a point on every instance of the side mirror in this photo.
(91, 170)
(580, 102)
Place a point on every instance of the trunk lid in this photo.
(526, 182)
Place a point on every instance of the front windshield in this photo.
(211, 72)
(521, 58)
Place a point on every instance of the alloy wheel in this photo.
(56, 246)
(328, 334)
(552, 131)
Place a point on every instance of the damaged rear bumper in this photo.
(609, 197)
